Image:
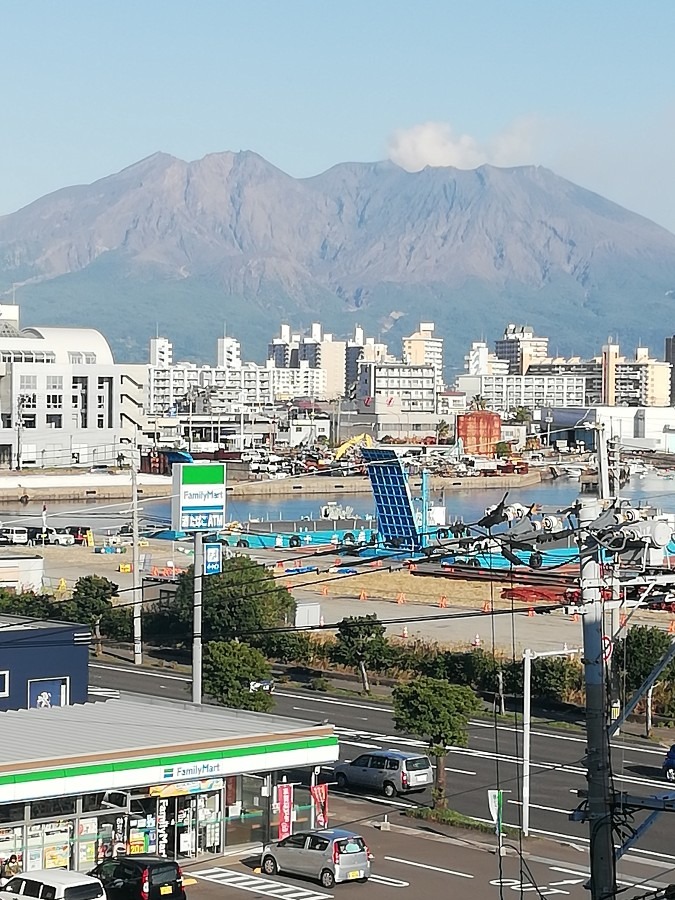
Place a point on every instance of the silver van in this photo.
(330, 856)
(389, 771)
(52, 884)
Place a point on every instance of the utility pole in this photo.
(600, 790)
(135, 567)
(198, 572)
(21, 402)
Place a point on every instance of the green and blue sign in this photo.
(198, 502)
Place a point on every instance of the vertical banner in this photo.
(285, 800)
(495, 801)
(319, 794)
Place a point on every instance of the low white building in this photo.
(63, 399)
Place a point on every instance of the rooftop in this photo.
(23, 623)
(132, 726)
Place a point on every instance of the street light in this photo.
(528, 656)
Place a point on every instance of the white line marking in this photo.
(144, 673)
(357, 744)
(554, 809)
(390, 882)
(386, 709)
(460, 771)
(419, 865)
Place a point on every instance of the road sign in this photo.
(213, 559)
(198, 502)
(607, 648)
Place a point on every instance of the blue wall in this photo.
(39, 660)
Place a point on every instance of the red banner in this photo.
(319, 794)
(285, 800)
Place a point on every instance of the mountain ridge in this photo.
(366, 242)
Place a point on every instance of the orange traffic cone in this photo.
(412, 567)
(324, 591)
(363, 595)
(443, 602)
(530, 613)
(400, 598)
(575, 617)
(280, 565)
(671, 627)
(623, 618)
(486, 607)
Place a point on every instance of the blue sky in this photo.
(585, 88)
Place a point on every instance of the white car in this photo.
(54, 536)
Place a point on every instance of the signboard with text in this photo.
(213, 559)
(285, 800)
(198, 502)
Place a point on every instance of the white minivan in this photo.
(52, 884)
(16, 535)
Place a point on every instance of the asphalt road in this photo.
(412, 866)
(492, 759)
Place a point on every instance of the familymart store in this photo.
(145, 775)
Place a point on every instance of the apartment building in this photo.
(520, 347)
(479, 361)
(424, 348)
(615, 380)
(395, 385)
(503, 393)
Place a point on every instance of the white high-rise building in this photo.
(161, 352)
(479, 361)
(229, 353)
(423, 348)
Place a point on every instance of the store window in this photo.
(4, 692)
(49, 809)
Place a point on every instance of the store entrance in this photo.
(193, 825)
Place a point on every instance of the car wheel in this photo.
(670, 774)
(363, 880)
(389, 789)
(341, 781)
(269, 866)
(327, 879)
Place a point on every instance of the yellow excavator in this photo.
(359, 440)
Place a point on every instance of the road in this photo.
(411, 866)
(492, 759)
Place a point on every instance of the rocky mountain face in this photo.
(187, 246)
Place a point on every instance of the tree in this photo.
(478, 402)
(229, 669)
(503, 448)
(442, 431)
(243, 601)
(361, 644)
(91, 601)
(641, 649)
(520, 414)
(439, 713)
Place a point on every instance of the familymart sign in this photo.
(198, 497)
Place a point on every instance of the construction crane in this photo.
(359, 440)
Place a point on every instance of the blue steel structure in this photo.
(397, 525)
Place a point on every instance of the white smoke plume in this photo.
(437, 144)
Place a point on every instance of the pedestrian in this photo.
(11, 867)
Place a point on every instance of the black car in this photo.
(79, 532)
(140, 877)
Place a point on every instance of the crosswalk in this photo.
(256, 884)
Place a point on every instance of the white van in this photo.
(52, 884)
(16, 535)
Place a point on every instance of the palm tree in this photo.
(442, 430)
(520, 414)
(478, 402)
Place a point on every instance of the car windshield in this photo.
(414, 765)
(351, 845)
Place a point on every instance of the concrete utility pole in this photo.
(198, 567)
(135, 567)
(600, 791)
